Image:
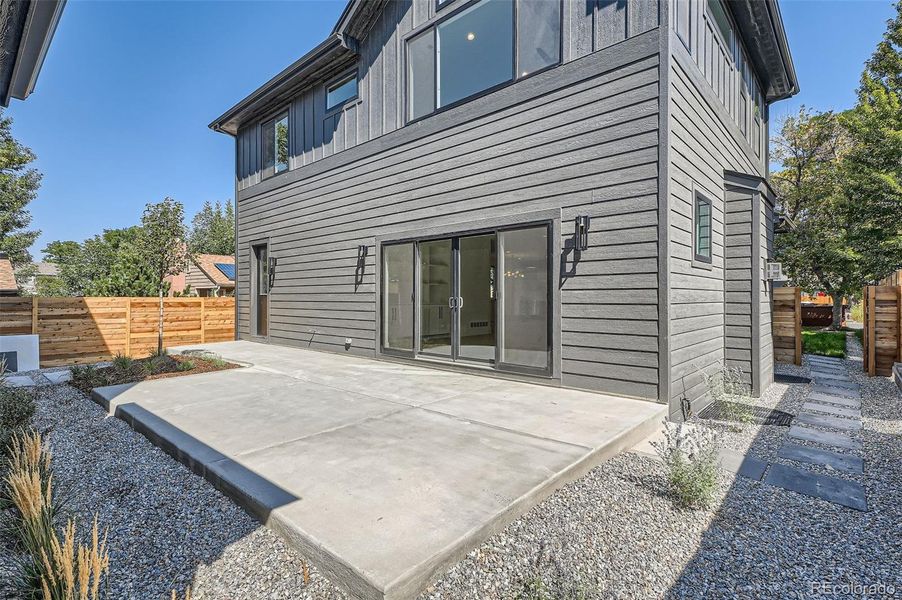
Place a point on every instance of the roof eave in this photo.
(783, 44)
(227, 123)
(40, 25)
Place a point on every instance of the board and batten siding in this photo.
(587, 26)
(581, 138)
(704, 141)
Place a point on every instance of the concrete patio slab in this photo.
(817, 456)
(383, 474)
(831, 489)
(829, 409)
(828, 438)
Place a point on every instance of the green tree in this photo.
(161, 245)
(873, 166)
(213, 229)
(19, 185)
(819, 253)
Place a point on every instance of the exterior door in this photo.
(261, 290)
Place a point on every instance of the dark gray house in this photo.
(572, 192)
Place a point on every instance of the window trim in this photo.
(274, 117)
(433, 25)
(337, 82)
(701, 259)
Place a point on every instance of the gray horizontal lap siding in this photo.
(707, 319)
(582, 138)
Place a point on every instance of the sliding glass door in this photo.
(480, 298)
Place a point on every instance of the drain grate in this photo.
(730, 411)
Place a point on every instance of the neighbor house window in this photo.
(478, 48)
(341, 91)
(702, 227)
(717, 13)
(275, 145)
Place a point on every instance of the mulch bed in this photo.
(144, 369)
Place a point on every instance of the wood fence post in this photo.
(128, 326)
(798, 326)
(34, 315)
(871, 334)
(203, 320)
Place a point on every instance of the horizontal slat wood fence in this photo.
(787, 325)
(83, 330)
(882, 342)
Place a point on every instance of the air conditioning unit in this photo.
(773, 271)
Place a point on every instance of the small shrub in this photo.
(89, 377)
(185, 365)
(729, 393)
(218, 363)
(690, 457)
(121, 362)
(158, 363)
(16, 410)
(74, 573)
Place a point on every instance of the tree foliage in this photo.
(19, 185)
(840, 182)
(213, 229)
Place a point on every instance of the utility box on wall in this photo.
(20, 351)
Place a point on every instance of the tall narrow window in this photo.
(539, 32)
(341, 91)
(524, 313)
(682, 22)
(421, 74)
(702, 226)
(717, 12)
(275, 145)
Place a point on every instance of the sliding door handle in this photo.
(460, 302)
(451, 302)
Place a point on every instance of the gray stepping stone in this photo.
(743, 464)
(836, 391)
(828, 421)
(831, 377)
(852, 413)
(831, 489)
(834, 383)
(56, 377)
(832, 399)
(828, 458)
(828, 438)
(825, 360)
(19, 381)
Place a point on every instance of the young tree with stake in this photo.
(162, 246)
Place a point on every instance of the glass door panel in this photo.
(397, 297)
(524, 298)
(476, 298)
(435, 298)
(261, 291)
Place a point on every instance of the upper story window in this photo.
(717, 13)
(341, 91)
(275, 145)
(475, 49)
(702, 229)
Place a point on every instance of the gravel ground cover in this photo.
(611, 534)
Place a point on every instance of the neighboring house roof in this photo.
(7, 277)
(226, 269)
(760, 25)
(26, 29)
(47, 269)
(208, 263)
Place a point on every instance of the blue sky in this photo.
(119, 116)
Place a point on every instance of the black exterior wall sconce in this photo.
(581, 233)
(362, 251)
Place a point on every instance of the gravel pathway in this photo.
(611, 534)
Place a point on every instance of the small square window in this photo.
(341, 91)
(275, 145)
(702, 227)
